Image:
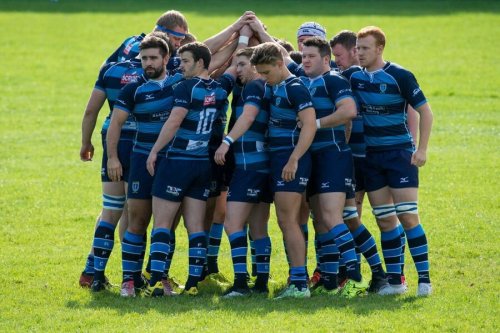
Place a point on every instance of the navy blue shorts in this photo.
(391, 168)
(250, 186)
(124, 150)
(140, 181)
(331, 172)
(176, 179)
(359, 173)
(299, 184)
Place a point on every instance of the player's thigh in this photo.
(237, 214)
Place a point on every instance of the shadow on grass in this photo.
(261, 7)
(211, 301)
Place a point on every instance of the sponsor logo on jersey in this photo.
(305, 105)
(128, 48)
(127, 78)
(209, 99)
(416, 91)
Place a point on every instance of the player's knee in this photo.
(113, 202)
(383, 211)
(349, 212)
(408, 207)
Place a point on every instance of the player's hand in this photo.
(256, 25)
(114, 169)
(289, 170)
(150, 163)
(220, 154)
(246, 31)
(244, 19)
(419, 158)
(86, 152)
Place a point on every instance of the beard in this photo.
(154, 73)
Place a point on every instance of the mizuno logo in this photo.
(403, 180)
(149, 97)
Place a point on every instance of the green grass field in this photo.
(51, 53)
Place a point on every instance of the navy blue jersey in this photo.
(298, 70)
(383, 97)
(287, 99)
(129, 49)
(327, 90)
(250, 150)
(113, 77)
(150, 102)
(357, 139)
(206, 101)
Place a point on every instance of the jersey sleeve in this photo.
(227, 82)
(253, 93)
(296, 69)
(100, 84)
(338, 88)
(182, 95)
(410, 89)
(126, 100)
(299, 96)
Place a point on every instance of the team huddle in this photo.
(308, 132)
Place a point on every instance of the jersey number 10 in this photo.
(207, 117)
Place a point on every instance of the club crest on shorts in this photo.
(135, 187)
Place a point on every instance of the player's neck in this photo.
(379, 64)
(203, 75)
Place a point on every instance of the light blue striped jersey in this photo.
(357, 138)
(150, 102)
(113, 77)
(206, 101)
(327, 90)
(287, 99)
(250, 150)
(383, 97)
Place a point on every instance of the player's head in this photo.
(164, 36)
(268, 62)
(308, 30)
(154, 56)
(195, 59)
(316, 55)
(296, 56)
(189, 38)
(244, 69)
(344, 50)
(174, 24)
(370, 45)
(286, 45)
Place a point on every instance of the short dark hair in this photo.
(154, 42)
(266, 54)
(164, 36)
(346, 38)
(296, 56)
(199, 51)
(324, 48)
(288, 47)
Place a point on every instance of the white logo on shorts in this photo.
(280, 183)
(173, 190)
(403, 180)
(252, 193)
(325, 185)
(135, 187)
(206, 193)
(303, 181)
(348, 181)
